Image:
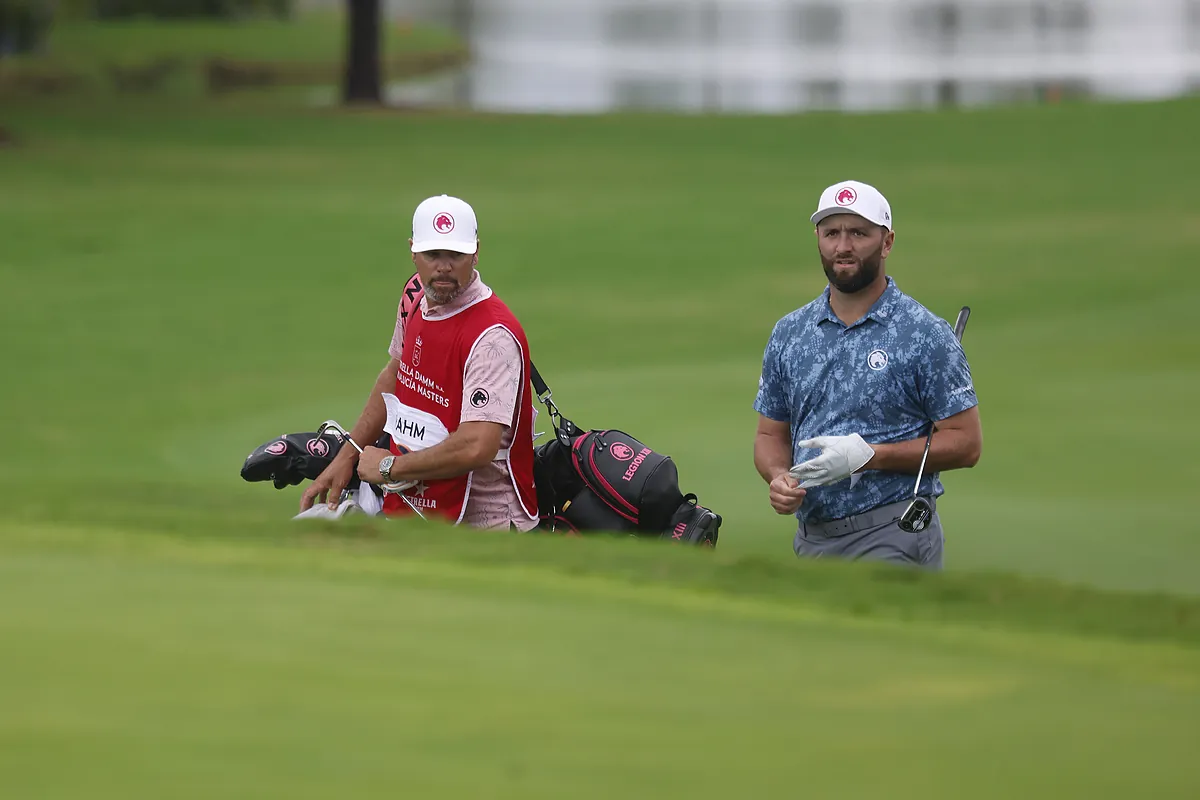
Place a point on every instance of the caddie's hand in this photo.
(330, 483)
(840, 457)
(368, 464)
(786, 494)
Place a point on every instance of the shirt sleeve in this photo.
(946, 387)
(396, 348)
(772, 399)
(492, 378)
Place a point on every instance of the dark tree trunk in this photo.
(362, 71)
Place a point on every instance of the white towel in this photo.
(360, 501)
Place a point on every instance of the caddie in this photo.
(850, 384)
(455, 395)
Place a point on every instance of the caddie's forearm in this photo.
(950, 449)
(370, 423)
(772, 456)
(457, 455)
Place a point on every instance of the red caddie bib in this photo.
(427, 405)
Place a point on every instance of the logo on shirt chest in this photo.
(877, 360)
(417, 352)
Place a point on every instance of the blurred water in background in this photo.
(782, 56)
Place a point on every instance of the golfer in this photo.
(454, 396)
(849, 386)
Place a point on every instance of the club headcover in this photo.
(292, 458)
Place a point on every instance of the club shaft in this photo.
(960, 326)
(412, 505)
(330, 424)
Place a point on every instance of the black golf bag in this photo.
(607, 480)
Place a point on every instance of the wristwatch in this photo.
(385, 468)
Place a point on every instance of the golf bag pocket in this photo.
(639, 485)
(587, 512)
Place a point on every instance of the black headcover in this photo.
(289, 459)
(693, 524)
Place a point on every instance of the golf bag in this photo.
(607, 480)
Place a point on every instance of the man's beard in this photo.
(857, 280)
(441, 296)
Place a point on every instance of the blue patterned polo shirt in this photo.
(885, 378)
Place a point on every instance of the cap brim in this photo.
(835, 210)
(442, 244)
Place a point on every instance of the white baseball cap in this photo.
(853, 197)
(445, 223)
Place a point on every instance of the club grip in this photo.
(960, 324)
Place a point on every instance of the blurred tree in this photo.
(23, 25)
(23, 28)
(364, 29)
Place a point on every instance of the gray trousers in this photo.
(874, 535)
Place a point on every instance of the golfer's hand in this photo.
(786, 494)
(840, 457)
(368, 464)
(330, 483)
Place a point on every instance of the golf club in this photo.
(339, 430)
(919, 512)
(330, 424)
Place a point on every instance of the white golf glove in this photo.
(841, 457)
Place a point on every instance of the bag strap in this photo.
(539, 385)
(566, 430)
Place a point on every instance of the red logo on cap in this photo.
(443, 223)
(846, 196)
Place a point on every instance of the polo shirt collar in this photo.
(882, 310)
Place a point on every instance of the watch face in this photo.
(385, 466)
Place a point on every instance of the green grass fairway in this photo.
(150, 666)
(182, 282)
